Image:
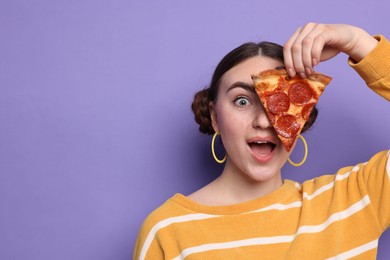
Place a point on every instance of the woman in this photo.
(249, 212)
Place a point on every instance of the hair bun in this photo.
(201, 109)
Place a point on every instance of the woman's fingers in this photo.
(303, 50)
(314, 43)
(297, 51)
(288, 58)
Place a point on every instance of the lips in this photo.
(262, 148)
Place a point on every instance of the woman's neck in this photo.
(233, 187)
(237, 188)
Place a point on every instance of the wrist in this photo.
(363, 47)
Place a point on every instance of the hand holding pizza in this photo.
(314, 43)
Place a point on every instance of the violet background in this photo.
(95, 123)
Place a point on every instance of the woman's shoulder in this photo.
(167, 209)
(377, 164)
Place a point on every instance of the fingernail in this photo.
(302, 75)
(291, 72)
(314, 62)
(308, 71)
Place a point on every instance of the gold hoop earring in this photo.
(304, 156)
(213, 150)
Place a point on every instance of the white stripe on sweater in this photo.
(166, 222)
(339, 177)
(356, 251)
(190, 217)
(278, 239)
(361, 204)
(278, 206)
(234, 244)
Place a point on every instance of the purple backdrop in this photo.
(95, 122)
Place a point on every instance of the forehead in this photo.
(243, 71)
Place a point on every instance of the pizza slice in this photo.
(288, 101)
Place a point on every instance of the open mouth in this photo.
(262, 148)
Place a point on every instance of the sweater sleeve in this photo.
(375, 174)
(148, 245)
(146, 249)
(375, 68)
(374, 179)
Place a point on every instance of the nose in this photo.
(261, 120)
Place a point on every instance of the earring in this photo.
(213, 151)
(304, 156)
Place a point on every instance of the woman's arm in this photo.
(374, 68)
(314, 43)
(370, 57)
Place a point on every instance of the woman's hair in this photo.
(200, 105)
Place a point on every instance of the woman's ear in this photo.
(213, 116)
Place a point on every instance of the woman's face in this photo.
(252, 146)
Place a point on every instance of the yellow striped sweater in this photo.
(338, 216)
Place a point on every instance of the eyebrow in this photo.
(239, 84)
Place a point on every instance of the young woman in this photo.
(249, 211)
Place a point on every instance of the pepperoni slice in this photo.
(306, 110)
(300, 93)
(278, 103)
(287, 126)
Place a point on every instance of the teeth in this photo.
(260, 142)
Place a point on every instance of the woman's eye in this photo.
(242, 102)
